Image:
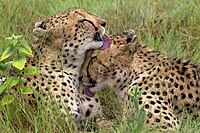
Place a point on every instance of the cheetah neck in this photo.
(51, 57)
(72, 64)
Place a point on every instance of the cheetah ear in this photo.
(40, 33)
(40, 30)
(131, 36)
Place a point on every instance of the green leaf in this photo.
(2, 88)
(7, 53)
(5, 66)
(14, 37)
(19, 62)
(31, 70)
(11, 81)
(22, 80)
(27, 90)
(7, 100)
(25, 48)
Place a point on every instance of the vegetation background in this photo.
(170, 26)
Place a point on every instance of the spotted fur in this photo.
(169, 87)
(59, 52)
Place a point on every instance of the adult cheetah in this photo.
(62, 41)
(168, 87)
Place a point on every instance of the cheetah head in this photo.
(74, 32)
(98, 66)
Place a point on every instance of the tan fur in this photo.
(168, 87)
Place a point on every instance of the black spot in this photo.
(75, 38)
(61, 76)
(42, 84)
(191, 84)
(88, 99)
(168, 124)
(175, 107)
(52, 76)
(167, 77)
(140, 84)
(140, 102)
(181, 87)
(114, 73)
(176, 85)
(183, 96)
(153, 93)
(97, 100)
(175, 97)
(91, 106)
(172, 91)
(158, 93)
(188, 76)
(67, 50)
(149, 115)
(158, 101)
(164, 127)
(147, 106)
(167, 118)
(63, 83)
(164, 93)
(160, 98)
(187, 105)
(58, 96)
(157, 120)
(118, 81)
(149, 97)
(66, 101)
(164, 108)
(190, 96)
(152, 102)
(55, 89)
(197, 99)
(157, 111)
(144, 93)
(71, 44)
(171, 79)
(166, 103)
(34, 84)
(87, 113)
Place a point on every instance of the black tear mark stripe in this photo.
(88, 74)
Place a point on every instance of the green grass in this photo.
(170, 26)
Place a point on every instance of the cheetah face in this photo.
(74, 32)
(98, 67)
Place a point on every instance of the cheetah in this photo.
(59, 51)
(169, 87)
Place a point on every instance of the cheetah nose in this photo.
(103, 23)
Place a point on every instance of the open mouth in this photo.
(105, 39)
(87, 91)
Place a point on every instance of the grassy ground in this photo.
(170, 26)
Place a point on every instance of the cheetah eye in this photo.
(86, 20)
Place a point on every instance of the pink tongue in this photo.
(87, 91)
(106, 42)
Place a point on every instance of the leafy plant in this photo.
(12, 65)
